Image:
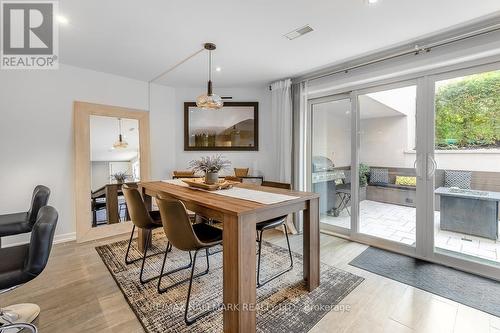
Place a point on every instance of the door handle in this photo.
(417, 165)
(433, 166)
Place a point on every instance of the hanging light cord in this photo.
(168, 71)
(209, 65)
(120, 128)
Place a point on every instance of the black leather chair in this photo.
(20, 223)
(21, 264)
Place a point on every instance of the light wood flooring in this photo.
(77, 294)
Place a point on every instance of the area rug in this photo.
(465, 288)
(283, 305)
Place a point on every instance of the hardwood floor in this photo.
(77, 294)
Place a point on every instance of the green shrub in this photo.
(468, 112)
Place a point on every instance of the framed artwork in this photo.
(233, 127)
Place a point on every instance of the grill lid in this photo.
(322, 163)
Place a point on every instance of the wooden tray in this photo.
(199, 183)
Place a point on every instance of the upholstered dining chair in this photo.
(20, 223)
(187, 237)
(271, 224)
(21, 264)
(141, 218)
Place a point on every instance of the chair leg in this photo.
(259, 241)
(159, 288)
(193, 319)
(148, 241)
(261, 283)
(127, 260)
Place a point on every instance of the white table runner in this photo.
(266, 198)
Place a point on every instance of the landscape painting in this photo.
(233, 127)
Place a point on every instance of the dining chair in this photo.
(271, 224)
(141, 218)
(23, 263)
(20, 223)
(185, 236)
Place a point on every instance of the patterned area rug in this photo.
(284, 305)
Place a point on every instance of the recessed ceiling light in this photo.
(371, 2)
(62, 19)
(218, 69)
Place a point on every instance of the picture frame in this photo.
(234, 127)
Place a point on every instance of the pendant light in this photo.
(209, 101)
(120, 144)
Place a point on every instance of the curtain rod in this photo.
(415, 50)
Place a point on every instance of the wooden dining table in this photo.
(239, 218)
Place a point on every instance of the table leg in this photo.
(239, 273)
(112, 204)
(142, 234)
(311, 244)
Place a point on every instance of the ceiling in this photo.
(104, 133)
(142, 39)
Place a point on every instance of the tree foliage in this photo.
(468, 112)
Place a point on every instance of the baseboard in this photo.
(58, 239)
(64, 238)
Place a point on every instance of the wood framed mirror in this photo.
(111, 148)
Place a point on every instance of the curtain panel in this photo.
(281, 109)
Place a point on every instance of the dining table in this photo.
(239, 218)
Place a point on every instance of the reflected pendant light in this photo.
(209, 101)
(120, 144)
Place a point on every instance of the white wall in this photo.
(36, 132)
(331, 132)
(259, 162)
(99, 174)
(383, 141)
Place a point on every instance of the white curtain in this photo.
(281, 109)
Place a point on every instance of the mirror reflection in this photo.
(115, 160)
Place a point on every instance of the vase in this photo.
(211, 178)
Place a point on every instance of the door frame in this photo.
(82, 179)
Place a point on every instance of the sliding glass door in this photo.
(465, 164)
(387, 159)
(413, 166)
(331, 160)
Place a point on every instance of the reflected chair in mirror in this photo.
(23, 263)
(98, 211)
(141, 218)
(20, 223)
(271, 224)
(185, 236)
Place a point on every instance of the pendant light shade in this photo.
(120, 144)
(209, 101)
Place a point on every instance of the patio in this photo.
(397, 223)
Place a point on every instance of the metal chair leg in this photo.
(159, 288)
(127, 260)
(261, 283)
(191, 320)
(259, 241)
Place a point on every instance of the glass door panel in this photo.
(387, 155)
(467, 167)
(331, 160)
